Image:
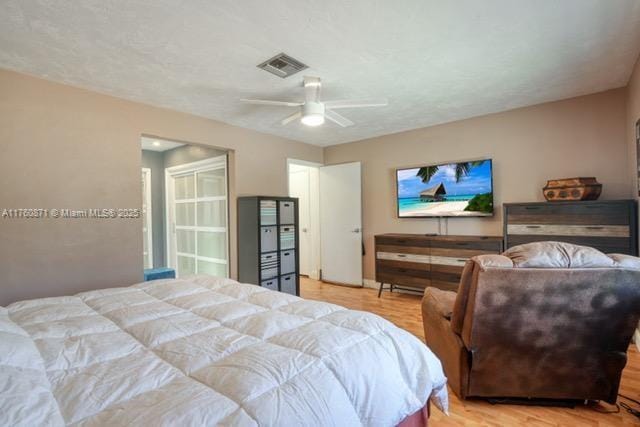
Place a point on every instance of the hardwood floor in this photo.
(404, 311)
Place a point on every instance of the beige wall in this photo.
(582, 136)
(63, 147)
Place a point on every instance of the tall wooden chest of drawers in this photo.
(609, 226)
(417, 261)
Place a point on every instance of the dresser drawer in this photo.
(489, 245)
(402, 241)
(461, 253)
(569, 230)
(415, 250)
(408, 257)
(608, 245)
(446, 272)
(385, 263)
(574, 214)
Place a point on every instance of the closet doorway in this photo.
(185, 205)
(197, 216)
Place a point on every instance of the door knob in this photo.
(355, 230)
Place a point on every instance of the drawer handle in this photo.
(402, 270)
(402, 241)
(533, 226)
(287, 278)
(269, 256)
(595, 227)
(462, 243)
(286, 254)
(593, 207)
(532, 208)
(462, 260)
(401, 256)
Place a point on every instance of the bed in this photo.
(208, 351)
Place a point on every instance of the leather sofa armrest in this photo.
(439, 301)
(437, 306)
(493, 261)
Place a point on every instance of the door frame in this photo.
(314, 226)
(192, 167)
(146, 172)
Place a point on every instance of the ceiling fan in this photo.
(312, 111)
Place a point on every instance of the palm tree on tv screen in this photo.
(462, 169)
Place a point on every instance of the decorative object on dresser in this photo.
(268, 243)
(416, 261)
(572, 189)
(609, 226)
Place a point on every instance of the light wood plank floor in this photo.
(404, 311)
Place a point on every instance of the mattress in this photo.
(207, 351)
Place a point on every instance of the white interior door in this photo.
(341, 223)
(299, 186)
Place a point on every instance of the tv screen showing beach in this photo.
(455, 189)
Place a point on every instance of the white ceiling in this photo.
(157, 144)
(436, 61)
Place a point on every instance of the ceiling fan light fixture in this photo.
(312, 114)
(312, 119)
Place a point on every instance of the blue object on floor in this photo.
(159, 273)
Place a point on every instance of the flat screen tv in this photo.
(447, 190)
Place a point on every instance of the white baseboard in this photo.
(368, 283)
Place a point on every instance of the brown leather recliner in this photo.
(545, 320)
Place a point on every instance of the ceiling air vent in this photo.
(282, 65)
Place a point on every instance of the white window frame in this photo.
(146, 176)
(219, 162)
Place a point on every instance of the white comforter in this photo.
(207, 351)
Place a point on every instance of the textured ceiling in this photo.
(436, 61)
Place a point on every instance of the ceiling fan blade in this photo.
(291, 118)
(274, 103)
(355, 103)
(338, 118)
(312, 87)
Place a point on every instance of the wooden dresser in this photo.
(609, 226)
(415, 261)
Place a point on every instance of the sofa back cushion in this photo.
(557, 255)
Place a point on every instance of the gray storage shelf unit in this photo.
(268, 243)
